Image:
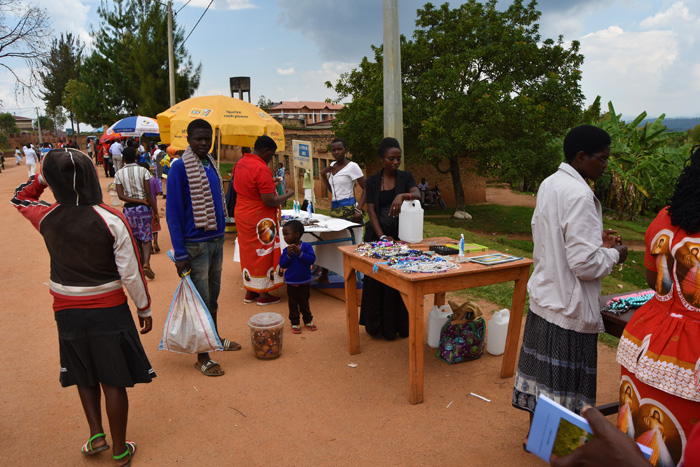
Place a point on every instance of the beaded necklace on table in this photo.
(619, 305)
(400, 257)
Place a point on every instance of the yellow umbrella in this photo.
(237, 122)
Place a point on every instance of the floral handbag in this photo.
(463, 338)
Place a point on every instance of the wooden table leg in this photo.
(516, 317)
(439, 299)
(414, 304)
(351, 309)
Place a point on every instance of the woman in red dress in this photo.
(257, 215)
(660, 348)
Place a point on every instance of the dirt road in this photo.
(306, 408)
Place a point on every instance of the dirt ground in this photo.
(309, 407)
(500, 193)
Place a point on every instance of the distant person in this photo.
(158, 155)
(423, 187)
(115, 152)
(572, 253)
(195, 210)
(134, 188)
(296, 260)
(90, 147)
(44, 150)
(18, 155)
(31, 159)
(340, 177)
(92, 259)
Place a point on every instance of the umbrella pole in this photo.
(218, 150)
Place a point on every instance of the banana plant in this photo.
(644, 161)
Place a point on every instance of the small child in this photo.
(297, 260)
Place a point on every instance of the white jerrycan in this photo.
(436, 320)
(411, 222)
(498, 330)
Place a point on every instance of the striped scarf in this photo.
(200, 192)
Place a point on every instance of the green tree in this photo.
(694, 134)
(127, 73)
(478, 84)
(8, 124)
(47, 123)
(72, 99)
(265, 104)
(61, 66)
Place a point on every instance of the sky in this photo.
(643, 55)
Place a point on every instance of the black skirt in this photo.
(559, 363)
(383, 312)
(101, 345)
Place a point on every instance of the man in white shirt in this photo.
(571, 254)
(30, 159)
(115, 151)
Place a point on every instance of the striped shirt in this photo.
(133, 178)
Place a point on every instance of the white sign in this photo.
(301, 151)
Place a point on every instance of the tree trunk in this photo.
(72, 127)
(77, 138)
(457, 184)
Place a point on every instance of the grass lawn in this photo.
(503, 221)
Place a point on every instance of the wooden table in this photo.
(414, 286)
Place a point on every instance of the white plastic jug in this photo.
(436, 320)
(411, 222)
(498, 331)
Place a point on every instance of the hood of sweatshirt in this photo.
(72, 177)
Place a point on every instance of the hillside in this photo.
(677, 124)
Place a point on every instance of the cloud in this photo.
(220, 4)
(344, 30)
(678, 13)
(285, 71)
(67, 15)
(650, 70)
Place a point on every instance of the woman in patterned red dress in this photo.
(660, 348)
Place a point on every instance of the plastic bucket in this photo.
(266, 332)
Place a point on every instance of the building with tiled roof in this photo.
(312, 112)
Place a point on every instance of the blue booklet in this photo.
(557, 430)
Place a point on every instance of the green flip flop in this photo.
(130, 451)
(87, 449)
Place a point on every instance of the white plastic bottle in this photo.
(411, 222)
(436, 320)
(498, 331)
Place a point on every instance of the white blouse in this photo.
(343, 182)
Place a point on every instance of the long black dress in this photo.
(383, 312)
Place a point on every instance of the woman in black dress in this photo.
(383, 312)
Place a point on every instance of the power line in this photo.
(183, 6)
(195, 26)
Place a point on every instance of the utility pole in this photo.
(393, 102)
(38, 124)
(171, 53)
